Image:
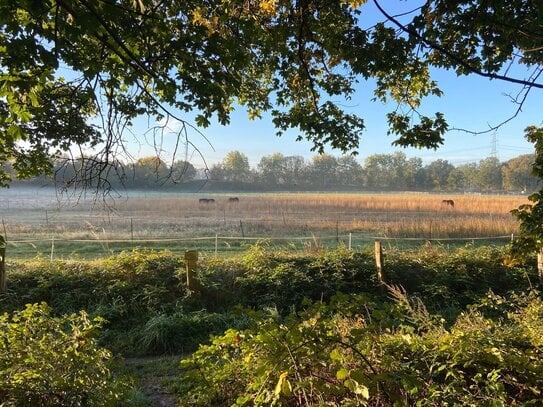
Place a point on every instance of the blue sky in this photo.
(472, 103)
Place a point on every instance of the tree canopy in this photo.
(79, 72)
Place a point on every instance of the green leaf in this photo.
(336, 354)
(342, 374)
(357, 388)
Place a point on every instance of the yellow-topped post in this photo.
(191, 262)
(379, 263)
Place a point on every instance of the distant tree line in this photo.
(388, 172)
(276, 172)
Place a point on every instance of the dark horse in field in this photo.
(448, 202)
(233, 199)
(206, 200)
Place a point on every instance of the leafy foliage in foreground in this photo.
(50, 361)
(357, 349)
(143, 296)
(355, 352)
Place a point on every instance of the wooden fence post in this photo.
(540, 265)
(3, 283)
(379, 261)
(191, 261)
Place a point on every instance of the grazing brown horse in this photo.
(233, 199)
(448, 202)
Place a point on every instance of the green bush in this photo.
(355, 352)
(455, 279)
(268, 279)
(126, 290)
(141, 280)
(54, 361)
(142, 294)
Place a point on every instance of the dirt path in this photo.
(153, 374)
(158, 396)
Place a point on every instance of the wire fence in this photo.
(217, 245)
(40, 223)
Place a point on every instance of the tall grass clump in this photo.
(181, 332)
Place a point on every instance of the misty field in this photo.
(41, 221)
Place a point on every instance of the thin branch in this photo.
(453, 57)
(523, 95)
(168, 112)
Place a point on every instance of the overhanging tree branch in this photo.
(461, 62)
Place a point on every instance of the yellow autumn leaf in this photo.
(268, 6)
(354, 3)
(197, 16)
(283, 386)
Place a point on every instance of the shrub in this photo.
(142, 293)
(284, 282)
(53, 361)
(455, 278)
(355, 352)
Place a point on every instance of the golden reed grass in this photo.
(390, 215)
(277, 215)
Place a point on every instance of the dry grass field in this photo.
(400, 216)
(162, 216)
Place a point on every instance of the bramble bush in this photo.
(131, 284)
(54, 361)
(347, 349)
(354, 352)
(142, 294)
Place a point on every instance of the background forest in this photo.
(276, 172)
